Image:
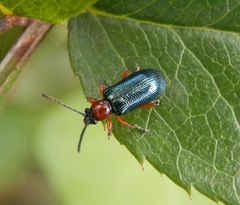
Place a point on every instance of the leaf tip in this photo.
(190, 194)
(141, 160)
(142, 166)
(189, 191)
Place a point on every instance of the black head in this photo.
(89, 117)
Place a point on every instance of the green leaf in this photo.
(49, 10)
(222, 15)
(195, 133)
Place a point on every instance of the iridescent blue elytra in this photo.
(137, 89)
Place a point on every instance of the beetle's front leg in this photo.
(126, 124)
(91, 100)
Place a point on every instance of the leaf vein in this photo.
(109, 40)
(177, 140)
(212, 79)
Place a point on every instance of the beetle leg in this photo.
(126, 124)
(151, 104)
(125, 73)
(109, 126)
(91, 100)
(101, 88)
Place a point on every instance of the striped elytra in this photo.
(137, 89)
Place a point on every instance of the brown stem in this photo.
(9, 22)
(23, 48)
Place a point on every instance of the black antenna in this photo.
(55, 100)
(81, 136)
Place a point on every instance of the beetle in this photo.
(138, 89)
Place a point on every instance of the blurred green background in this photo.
(39, 164)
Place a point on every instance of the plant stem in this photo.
(9, 22)
(18, 55)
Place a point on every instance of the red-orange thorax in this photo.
(101, 109)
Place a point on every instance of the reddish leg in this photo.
(101, 88)
(126, 124)
(125, 73)
(91, 100)
(151, 104)
(109, 126)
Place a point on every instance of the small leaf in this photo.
(49, 10)
(195, 133)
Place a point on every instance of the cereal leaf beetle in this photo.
(138, 89)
